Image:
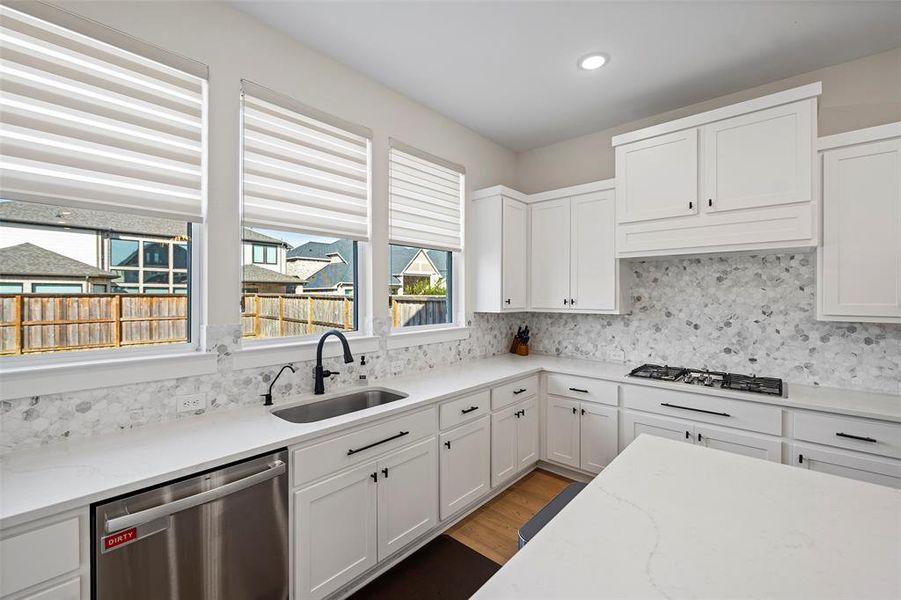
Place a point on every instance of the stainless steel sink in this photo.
(339, 405)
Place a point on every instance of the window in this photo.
(305, 214)
(10, 288)
(426, 234)
(116, 127)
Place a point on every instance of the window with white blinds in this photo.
(425, 200)
(303, 170)
(90, 122)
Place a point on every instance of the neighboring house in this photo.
(326, 268)
(260, 280)
(144, 254)
(410, 266)
(29, 269)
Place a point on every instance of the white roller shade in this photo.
(303, 170)
(87, 123)
(425, 200)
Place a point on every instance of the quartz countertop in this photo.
(50, 479)
(673, 520)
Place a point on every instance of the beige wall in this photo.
(856, 94)
(235, 46)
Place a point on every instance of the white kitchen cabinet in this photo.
(67, 590)
(737, 178)
(336, 534)
(514, 440)
(582, 435)
(598, 436)
(550, 252)
(759, 159)
(853, 465)
(465, 465)
(407, 496)
(634, 424)
(562, 431)
(860, 261)
(501, 241)
(657, 178)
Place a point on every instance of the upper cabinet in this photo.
(500, 259)
(574, 266)
(735, 178)
(860, 259)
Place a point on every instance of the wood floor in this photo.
(492, 529)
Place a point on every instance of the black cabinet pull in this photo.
(374, 444)
(578, 390)
(385, 472)
(517, 414)
(699, 437)
(565, 301)
(687, 435)
(375, 477)
(507, 300)
(469, 410)
(574, 410)
(517, 392)
(572, 301)
(800, 459)
(691, 205)
(856, 437)
(709, 201)
(447, 443)
(700, 410)
(583, 411)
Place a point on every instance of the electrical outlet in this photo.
(397, 366)
(191, 403)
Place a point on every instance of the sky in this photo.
(294, 239)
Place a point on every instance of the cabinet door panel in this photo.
(336, 531)
(593, 270)
(759, 159)
(599, 436)
(527, 434)
(657, 178)
(408, 496)
(634, 424)
(503, 444)
(563, 431)
(465, 465)
(862, 230)
(848, 464)
(515, 254)
(549, 279)
(755, 446)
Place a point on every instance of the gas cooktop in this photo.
(771, 386)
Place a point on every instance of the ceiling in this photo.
(507, 69)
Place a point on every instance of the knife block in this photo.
(519, 348)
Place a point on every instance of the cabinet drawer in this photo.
(847, 432)
(38, 555)
(703, 408)
(582, 388)
(332, 455)
(504, 395)
(68, 590)
(463, 410)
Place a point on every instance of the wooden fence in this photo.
(276, 315)
(418, 310)
(36, 323)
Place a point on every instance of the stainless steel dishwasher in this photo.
(219, 535)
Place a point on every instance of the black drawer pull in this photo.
(517, 392)
(575, 410)
(385, 472)
(447, 444)
(372, 445)
(469, 410)
(700, 410)
(800, 459)
(856, 437)
(578, 390)
(375, 477)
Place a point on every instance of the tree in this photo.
(423, 287)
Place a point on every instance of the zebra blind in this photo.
(303, 170)
(86, 122)
(425, 200)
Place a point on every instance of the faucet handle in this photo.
(330, 373)
(267, 399)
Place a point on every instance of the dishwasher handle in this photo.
(164, 510)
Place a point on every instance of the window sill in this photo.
(266, 354)
(432, 335)
(75, 375)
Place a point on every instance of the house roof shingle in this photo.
(33, 261)
(258, 274)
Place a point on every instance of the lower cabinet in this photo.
(582, 435)
(465, 465)
(514, 440)
(854, 465)
(747, 444)
(349, 522)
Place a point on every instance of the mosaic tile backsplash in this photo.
(749, 314)
(746, 314)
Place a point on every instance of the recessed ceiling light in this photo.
(592, 61)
